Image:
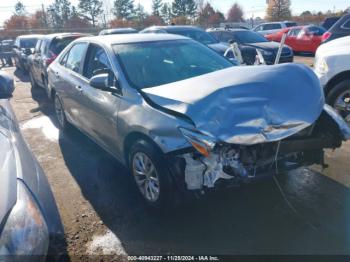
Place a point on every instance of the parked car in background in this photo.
(332, 66)
(248, 41)
(23, 47)
(28, 213)
(273, 27)
(6, 52)
(117, 31)
(193, 32)
(301, 38)
(329, 22)
(46, 50)
(184, 119)
(340, 29)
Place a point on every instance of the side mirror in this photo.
(7, 86)
(105, 82)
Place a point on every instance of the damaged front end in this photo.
(216, 164)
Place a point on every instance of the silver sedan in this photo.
(184, 119)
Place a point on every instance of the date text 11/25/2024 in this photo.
(173, 258)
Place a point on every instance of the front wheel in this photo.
(151, 175)
(32, 80)
(339, 99)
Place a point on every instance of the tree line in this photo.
(61, 14)
(90, 14)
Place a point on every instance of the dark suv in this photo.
(340, 29)
(46, 50)
(23, 47)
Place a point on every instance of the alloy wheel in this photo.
(59, 111)
(342, 105)
(146, 176)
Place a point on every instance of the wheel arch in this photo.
(131, 138)
(336, 80)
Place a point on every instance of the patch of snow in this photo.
(46, 126)
(108, 244)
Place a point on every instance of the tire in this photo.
(60, 114)
(32, 80)
(342, 89)
(160, 180)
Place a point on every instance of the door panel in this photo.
(100, 107)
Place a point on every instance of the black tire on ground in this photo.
(32, 80)
(63, 124)
(336, 91)
(166, 197)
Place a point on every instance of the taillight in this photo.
(326, 36)
(50, 58)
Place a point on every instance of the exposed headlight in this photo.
(202, 143)
(25, 231)
(321, 66)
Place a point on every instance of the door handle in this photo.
(79, 88)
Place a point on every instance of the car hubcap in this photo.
(59, 111)
(146, 176)
(342, 105)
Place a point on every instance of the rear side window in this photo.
(58, 44)
(74, 58)
(291, 24)
(316, 30)
(346, 24)
(272, 26)
(96, 61)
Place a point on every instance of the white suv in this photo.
(273, 27)
(332, 66)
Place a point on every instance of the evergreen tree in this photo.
(20, 9)
(157, 7)
(166, 13)
(278, 10)
(140, 14)
(186, 8)
(91, 9)
(124, 9)
(60, 12)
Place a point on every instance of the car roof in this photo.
(121, 29)
(51, 36)
(132, 38)
(29, 36)
(174, 27)
(230, 30)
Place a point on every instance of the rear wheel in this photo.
(339, 99)
(32, 80)
(151, 175)
(61, 117)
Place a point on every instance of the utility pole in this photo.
(44, 16)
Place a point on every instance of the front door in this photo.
(100, 107)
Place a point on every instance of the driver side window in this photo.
(96, 62)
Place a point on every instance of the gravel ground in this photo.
(102, 213)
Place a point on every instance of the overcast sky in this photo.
(251, 7)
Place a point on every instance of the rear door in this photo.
(100, 107)
(68, 82)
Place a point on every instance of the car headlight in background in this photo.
(321, 66)
(266, 53)
(25, 231)
(202, 143)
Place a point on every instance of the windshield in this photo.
(152, 64)
(28, 42)
(198, 35)
(249, 37)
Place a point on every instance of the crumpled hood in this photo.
(246, 105)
